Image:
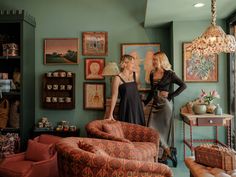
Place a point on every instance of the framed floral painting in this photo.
(93, 68)
(195, 69)
(61, 51)
(94, 95)
(95, 43)
(142, 53)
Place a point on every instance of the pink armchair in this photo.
(25, 164)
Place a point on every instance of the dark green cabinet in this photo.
(18, 28)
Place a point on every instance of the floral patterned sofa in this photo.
(145, 141)
(82, 157)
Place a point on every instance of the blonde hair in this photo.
(124, 59)
(162, 60)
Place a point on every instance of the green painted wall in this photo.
(123, 20)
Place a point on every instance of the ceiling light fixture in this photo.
(213, 40)
(197, 5)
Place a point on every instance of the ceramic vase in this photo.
(218, 110)
(199, 108)
(210, 108)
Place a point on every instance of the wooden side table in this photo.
(206, 120)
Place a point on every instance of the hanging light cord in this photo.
(213, 12)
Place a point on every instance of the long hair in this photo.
(124, 59)
(162, 60)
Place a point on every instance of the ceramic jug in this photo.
(218, 110)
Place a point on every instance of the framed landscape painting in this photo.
(142, 53)
(195, 69)
(95, 43)
(94, 95)
(61, 51)
(93, 68)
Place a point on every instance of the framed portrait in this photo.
(95, 43)
(142, 54)
(61, 51)
(93, 68)
(195, 69)
(94, 95)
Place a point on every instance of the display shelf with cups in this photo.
(17, 73)
(58, 90)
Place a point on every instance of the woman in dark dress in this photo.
(124, 84)
(161, 115)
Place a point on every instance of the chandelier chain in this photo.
(213, 12)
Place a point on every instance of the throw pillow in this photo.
(114, 128)
(38, 151)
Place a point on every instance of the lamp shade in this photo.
(213, 40)
(110, 69)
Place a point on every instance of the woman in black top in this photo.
(124, 84)
(161, 115)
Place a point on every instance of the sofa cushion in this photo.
(114, 128)
(43, 151)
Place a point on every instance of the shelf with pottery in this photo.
(206, 119)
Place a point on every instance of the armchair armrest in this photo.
(142, 134)
(14, 157)
(95, 132)
(45, 167)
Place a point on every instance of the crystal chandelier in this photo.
(213, 40)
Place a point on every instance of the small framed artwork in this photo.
(61, 51)
(93, 68)
(195, 69)
(95, 43)
(142, 53)
(94, 95)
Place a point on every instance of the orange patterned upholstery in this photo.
(118, 161)
(113, 128)
(145, 141)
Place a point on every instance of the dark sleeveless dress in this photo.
(130, 108)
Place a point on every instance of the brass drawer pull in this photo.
(210, 121)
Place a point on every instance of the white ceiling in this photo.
(159, 12)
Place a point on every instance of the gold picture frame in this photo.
(94, 95)
(95, 43)
(197, 69)
(61, 51)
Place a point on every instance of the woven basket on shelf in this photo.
(4, 113)
(216, 156)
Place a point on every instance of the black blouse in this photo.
(164, 84)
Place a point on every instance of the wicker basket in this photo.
(216, 156)
(4, 112)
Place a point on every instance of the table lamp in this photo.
(111, 69)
